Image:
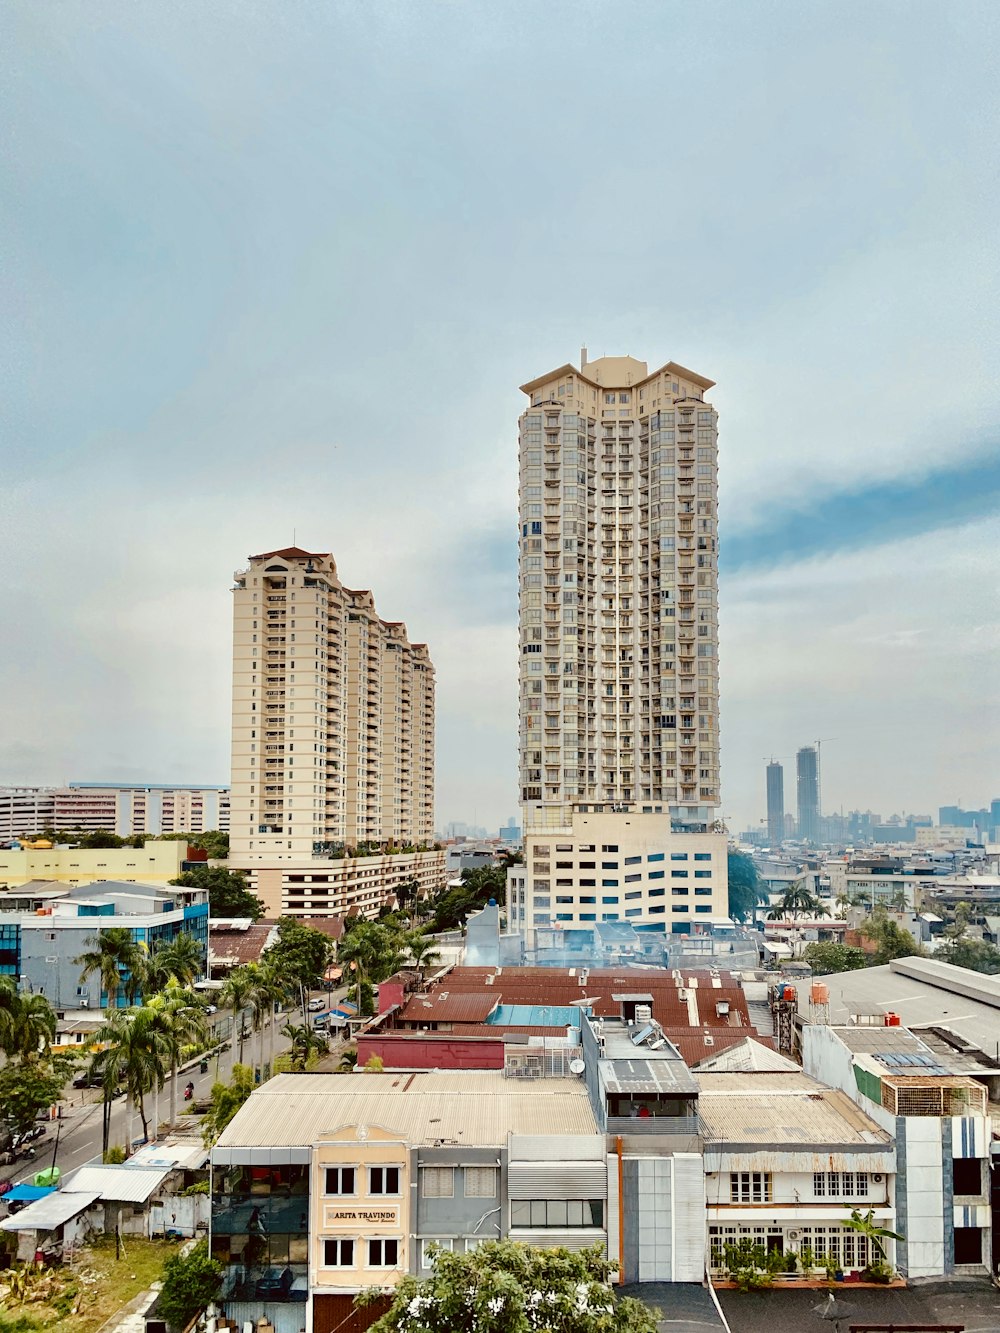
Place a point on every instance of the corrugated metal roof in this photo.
(781, 1109)
(50, 1212)
(445, 1006)
(919, 1001)
(746, 1055)
(186, 1154)
(121, 1184)
(294, 1110)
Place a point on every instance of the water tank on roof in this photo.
(892, 1020)
(820, 993)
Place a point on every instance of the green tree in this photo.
(29, 1086)
(745, 888)
(372, 950)
(226, 1100)
(830, 957)
(977, 955)
(228, 894)
(300, 954)
(118, 960)
(190, 1282)
(100, 839)
(214, 842)
(506, 1287)
(890, 938)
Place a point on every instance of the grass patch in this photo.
(95, 1284)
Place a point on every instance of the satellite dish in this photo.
(576, 1066)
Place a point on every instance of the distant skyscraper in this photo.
(775, 802)
(807, 790)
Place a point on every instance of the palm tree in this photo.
(34, 1025)
(422, 951)
(181, 957)
(278, 990)
(260, 996)
(27, 1022)
(304, 1041)
(179, 1020)
(8, 1008)
(235, 996)
(118, 959)
(134, 1053)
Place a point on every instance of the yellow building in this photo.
(156, 863)
(360, 1208)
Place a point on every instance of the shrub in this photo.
(189, 1283)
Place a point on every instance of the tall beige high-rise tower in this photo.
(619, 696)
(333, 740)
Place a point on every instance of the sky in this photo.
(276, 270)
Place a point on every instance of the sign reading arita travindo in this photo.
(372, 1217)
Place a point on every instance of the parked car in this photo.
(316, 1005)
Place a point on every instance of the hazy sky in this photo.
(276, 267)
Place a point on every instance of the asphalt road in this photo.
(80, 1125)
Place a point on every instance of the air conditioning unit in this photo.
(877, 1177)
(794, 1234)
(84, 1002)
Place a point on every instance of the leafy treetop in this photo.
(506, 1287)
(228, 895)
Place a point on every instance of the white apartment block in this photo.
(124, 809)
(619, 700)
(333, 739)
(624, 866)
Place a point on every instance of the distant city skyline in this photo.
(319, 243)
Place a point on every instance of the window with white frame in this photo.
(383, 1252)
(437, 1182)
(846, 1248)
(427, 1248)
(340, 1180)
(338, 1252)
(383, 1179)
(750, 1187)
(840, 1184)
(481, 1182)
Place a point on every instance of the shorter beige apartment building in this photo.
(332, 743)
(622, 864)
(346, 885)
